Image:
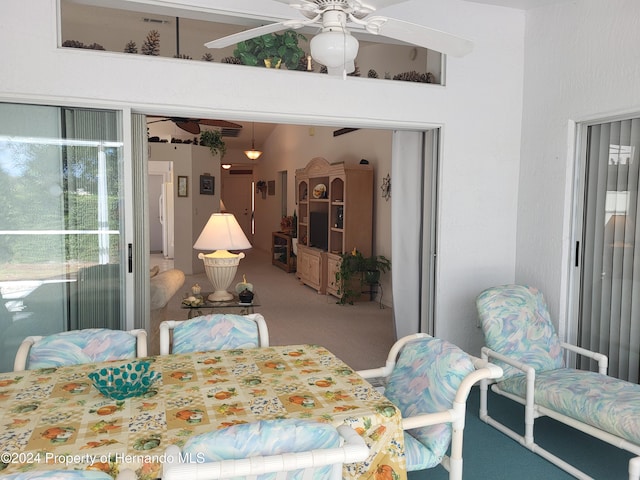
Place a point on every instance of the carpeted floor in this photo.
(489, 454)
(360, 334)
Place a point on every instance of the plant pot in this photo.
(269, 63)
(372, 277)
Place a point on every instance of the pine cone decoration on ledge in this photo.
(73, 44)
(78, 44)
(151, 45)
(233, 60)
(414, 76)
(131, 47)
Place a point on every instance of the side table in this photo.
(230, 306)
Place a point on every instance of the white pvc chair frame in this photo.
(353, 449)
(168, 325)
(22, 355)
(533, 411)
(455, 416)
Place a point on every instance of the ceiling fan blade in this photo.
(296, 3)
(378, 4)
(159, 120)
(302, 5)
(420, 35)
(219, 123)
(190, 126)
(247, 34)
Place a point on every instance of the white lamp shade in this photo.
(336, 50)
(222, 232)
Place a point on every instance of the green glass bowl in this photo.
(131, 379)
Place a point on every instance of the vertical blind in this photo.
(406, 231)
(92, 161)
(140, 170)
(610, 279)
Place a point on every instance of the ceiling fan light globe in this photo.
(334, 49)
(348, 68)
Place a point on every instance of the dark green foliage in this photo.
(213, 140)
(354, 273)
(275, 46)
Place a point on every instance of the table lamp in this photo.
(221, 233)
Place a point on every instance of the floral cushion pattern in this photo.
(601, 401)
(515, 321)
(215, 332)
(425, 380)
(417, 456)
(59, 475)
(264, 437)
(82, 346)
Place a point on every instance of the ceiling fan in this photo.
(335, 47)
(192, 125)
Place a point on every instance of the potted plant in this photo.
(374, 266)
(356, 271)
(213, 140)
(272, 50)
(286, 225)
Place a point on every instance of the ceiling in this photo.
(241, 141)
(519, 4)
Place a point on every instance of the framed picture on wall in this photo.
(183, 186)
(207, 184)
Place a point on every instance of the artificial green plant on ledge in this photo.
(271, 50)
(213, 140)
(356, 271)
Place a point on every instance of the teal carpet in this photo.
(489, 454)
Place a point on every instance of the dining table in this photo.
(55, 418)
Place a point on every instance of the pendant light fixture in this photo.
(253, 154)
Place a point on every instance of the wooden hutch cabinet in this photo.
(335, 205)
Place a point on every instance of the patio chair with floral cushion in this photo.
(267, 449)
(429, 380)
(70, 475)
(520, 336)
(220, 331)
(74, 347)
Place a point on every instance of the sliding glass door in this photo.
(609, 304)
(61, 222)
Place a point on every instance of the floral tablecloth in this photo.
(55, 418)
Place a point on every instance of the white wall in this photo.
(193, 211)
(480, 111)
(582, 62)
